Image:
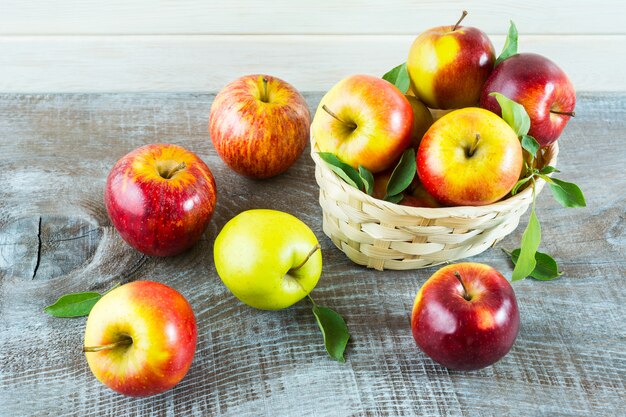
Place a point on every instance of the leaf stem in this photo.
(460, 20)
(168, 174)
(308, 256)
(465, 293)
(125, 341)
(311, 300)
(564, 113)
(264, 96)
(117, 284)
(472, 148)
(351, 125)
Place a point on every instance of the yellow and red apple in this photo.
(364, 120)
(140, 338)
(259, 125)
(540, 86)
(465, 316)
(448, 66)
(469, 157)
(422, 120)
(160, 198)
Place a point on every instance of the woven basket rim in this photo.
(438, 212)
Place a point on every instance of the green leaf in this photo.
(519, 184)
(368, 179)
(399, 76)
(514, 114)
(567, 194)
(394, 198)
(548, 169)
(530, 242)
(334, 330)
(76, 304)
(530, 144)
(510, 45)
(545, 269)
(345, 171)
(403, 173)
(73, 305)
(546, 178)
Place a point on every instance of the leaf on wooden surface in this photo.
(73, 305)
(546, 267)
(334, 330)
(77, 304)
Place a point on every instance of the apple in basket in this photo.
(469, 157)
(364, 120)
(540, 86)
(448, 65)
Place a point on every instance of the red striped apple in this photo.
(540, 86)
(469, 157)
(448, 66)
(422, 120)
(160, 198)
(465, 316)
(259, 125)
(364, 120)
(140, 338)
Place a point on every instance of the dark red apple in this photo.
(160, 198)
(465, 316)
(540, 86)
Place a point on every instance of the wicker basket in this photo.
(383, 235)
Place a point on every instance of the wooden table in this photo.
(55, 237)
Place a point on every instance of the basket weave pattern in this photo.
(383, 235)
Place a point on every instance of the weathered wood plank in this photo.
(55, 153)
(144, 17)
(32, 64)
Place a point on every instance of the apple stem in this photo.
(308, 256)
(264, 97)
(465, 293)
(171, 172)
(126, 341)
(351, 125)
(460, 20)
(472, 148)
(564, 113)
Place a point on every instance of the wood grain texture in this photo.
(208, 63)
(55, 153)
(147, 17)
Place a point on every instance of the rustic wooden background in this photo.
(200, 45)
(55, 237)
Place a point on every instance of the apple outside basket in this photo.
(383, 235)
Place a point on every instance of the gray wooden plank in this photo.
(55, 153)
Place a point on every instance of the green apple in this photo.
(268, 259)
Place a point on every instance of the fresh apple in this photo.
(469, 157)
(268, 259)
(465, 316)
(364, 120)
(422, 120)
(259, 125)
(140, 338)
(540, 86)
(160, 198)
(417, 196)
(448, 66)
